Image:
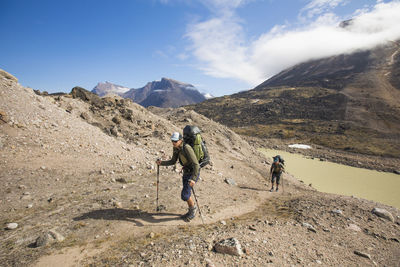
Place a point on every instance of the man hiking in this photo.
(191, 171)
(275, 172)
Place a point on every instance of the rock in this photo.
(43, 240)
(252, 227)
(56, 236)
(85, 116)
(48, 238)
(354, 227)
(362, 254)
(337, 211)
(383, 214)
(230, 181)
(117, 204)
(209, 263)
(309, 227)
(151, 235)
(117, 120)
(12, 226)
(229, 246)
(121, 180)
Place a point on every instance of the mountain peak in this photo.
(164, 93)
(106, 88)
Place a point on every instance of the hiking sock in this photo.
(191, 214)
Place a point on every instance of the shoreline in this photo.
(385, 164)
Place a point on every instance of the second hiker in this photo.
(276, 170)
(191, 171)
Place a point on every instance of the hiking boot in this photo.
(190, 214)
(276, 189)
(271, 190)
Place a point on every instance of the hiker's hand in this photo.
(158, 161)
(192, 183)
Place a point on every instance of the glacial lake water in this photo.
(336, 178)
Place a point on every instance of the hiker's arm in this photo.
(194, 163)
(172, 161)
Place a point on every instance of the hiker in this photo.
(191, 171)
(276, 170)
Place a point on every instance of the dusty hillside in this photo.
(82, 169)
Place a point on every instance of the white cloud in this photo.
(220, 46)
(318, 7)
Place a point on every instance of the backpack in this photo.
(280, 159)
(192, 136)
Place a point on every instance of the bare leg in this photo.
(190, 202)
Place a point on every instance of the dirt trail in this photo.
(152, 222)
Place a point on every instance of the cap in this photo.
(176, 136)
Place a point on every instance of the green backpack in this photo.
(192, 136)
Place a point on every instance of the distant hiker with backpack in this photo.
(275, 171)
(184, 151)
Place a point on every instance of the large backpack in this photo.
(192, 136)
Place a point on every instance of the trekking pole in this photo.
(269, 179)
(197, 202)
(158, 180)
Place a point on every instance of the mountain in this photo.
(349, 102)
(164, 93)
(102, 89)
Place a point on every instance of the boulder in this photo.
(47, 238)
(12, 226)
(229, 246)
(383, 214)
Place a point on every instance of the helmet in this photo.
(176, 136)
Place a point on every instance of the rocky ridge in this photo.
(78, 178)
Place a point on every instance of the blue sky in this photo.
(219, 46)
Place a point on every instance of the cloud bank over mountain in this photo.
(221, 46)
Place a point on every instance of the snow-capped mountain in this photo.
(164, 93)
(102, 89)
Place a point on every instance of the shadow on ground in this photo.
(136, 216)
(251, 188)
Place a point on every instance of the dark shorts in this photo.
(186, 189)
(276, 176)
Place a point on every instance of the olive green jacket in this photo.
(187, 158)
